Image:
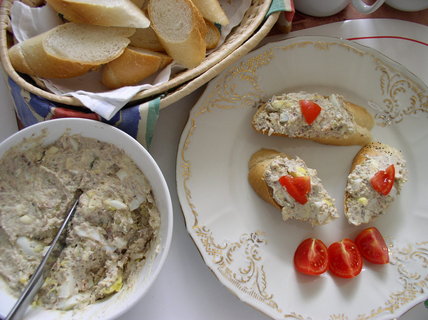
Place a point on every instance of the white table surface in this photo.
(186, 288)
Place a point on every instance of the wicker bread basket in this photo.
(241, 40)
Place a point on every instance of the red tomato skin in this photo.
(383, 180)
(297, 187)
(344, 259)
(310, 110)
(311, 257)
(372, 246)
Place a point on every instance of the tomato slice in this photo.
(297, 187)
(344, 259)
(383, 180)
(311, 257)
(372, 246)
(310, 110)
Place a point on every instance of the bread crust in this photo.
(130, 15)
(133, 66)
(36, 57)
(29, 57)
(362, 118)
(257, 166)
(212, 37)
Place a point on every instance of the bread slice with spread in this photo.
(377, 175)
(328, 120)
(289, 185)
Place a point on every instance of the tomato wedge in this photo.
(372, 246)
(297, 187)
(344, 259)
(311, 257)
(383, 180)
(310, 110)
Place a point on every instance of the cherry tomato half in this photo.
(344, 259)
(383, 180)
(372, 246)
(297, 187)
(311, 257)
(310, 110)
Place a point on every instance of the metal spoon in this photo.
(49, 259)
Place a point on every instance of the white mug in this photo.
(320, 8)
(403, 5)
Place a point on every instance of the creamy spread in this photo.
(319, 209)
(115, 225)
(282, 115)
(363, 202)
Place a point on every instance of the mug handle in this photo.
(363, 7)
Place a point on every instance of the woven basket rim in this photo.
(218, 56)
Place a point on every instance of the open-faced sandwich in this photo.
(289, 185)
(377, 174)
(328, 120)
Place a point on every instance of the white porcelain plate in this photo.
(244, 240)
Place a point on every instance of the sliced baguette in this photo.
(146, 39)
(108, 13)
(361, 121)
(212, 11)
(181, 30)
(267, 164)
(68, 50)
(362, 203)
(212, 37)
(133, 66)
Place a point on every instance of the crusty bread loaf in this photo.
(146, 39)
(69, 50)
(267, 164)
(133, 66)
(212, 37)
(360, 120)
(212, 11)
(363, 203)
(108, 13)
(181, 30)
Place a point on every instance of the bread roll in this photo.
(340, 122)
(108, 13)
(181, 30)
(362, 202)
(69, 50)
(133, 66)
(212, 11)
(267, 166)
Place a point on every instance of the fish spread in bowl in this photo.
(115, 226)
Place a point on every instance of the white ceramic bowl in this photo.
(130, 293)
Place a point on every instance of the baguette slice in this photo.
(213, 35)
(108, 13)
(181, 30)
(266, 166)
(340, 122)
(212, 11)
(133, 66)
(362, 202)
(69, 50)
(146, 39)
